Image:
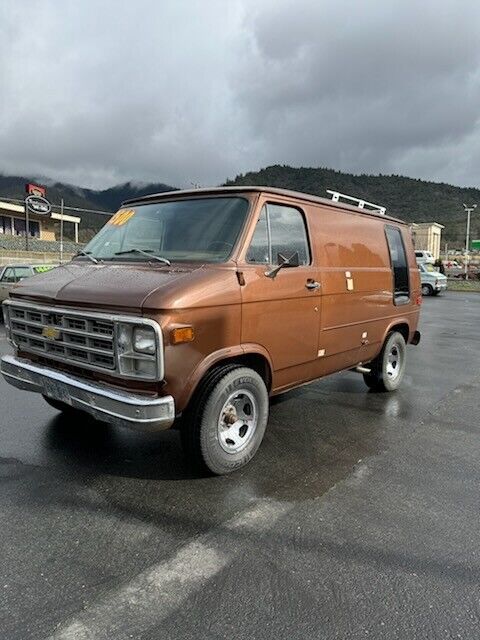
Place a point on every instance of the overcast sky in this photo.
(98, 92)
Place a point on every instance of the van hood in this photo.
(113, 286)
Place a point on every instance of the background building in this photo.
(12, 222)
(427, 237)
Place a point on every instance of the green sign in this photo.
(475, 244)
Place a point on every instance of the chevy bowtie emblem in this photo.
(52, 333)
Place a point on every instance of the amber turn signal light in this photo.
(182, 334)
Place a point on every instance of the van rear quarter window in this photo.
(398, 258)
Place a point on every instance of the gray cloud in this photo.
(100, 92)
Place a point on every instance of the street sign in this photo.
(38, 205)
(475, 244)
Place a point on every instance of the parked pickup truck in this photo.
(189, 309)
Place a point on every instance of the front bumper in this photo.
(102, 402)
(441, 286)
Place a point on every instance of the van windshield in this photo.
(429, 267)
(186, 230)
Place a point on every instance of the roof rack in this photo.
(361, 204)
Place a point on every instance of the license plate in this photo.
(57, 391)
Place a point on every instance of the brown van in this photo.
(191, 308)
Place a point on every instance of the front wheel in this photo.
(388, 369)
(226, 422)
(427, 290)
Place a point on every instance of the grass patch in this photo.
(463, 285)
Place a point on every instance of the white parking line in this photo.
(157, 592)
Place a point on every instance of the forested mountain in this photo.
(410, 199)
(107, 200)
(407, 198)
(111, 199)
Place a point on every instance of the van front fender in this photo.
(247, 354)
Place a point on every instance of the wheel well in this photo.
(254, 361)
(402, 328)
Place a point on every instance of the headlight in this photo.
(144, 340)
(137, 351)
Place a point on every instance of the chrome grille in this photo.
(78, 339)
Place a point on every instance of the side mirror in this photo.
(282, 261)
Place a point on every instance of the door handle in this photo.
(312, 284)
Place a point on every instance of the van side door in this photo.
(281, 313)
(356, 287)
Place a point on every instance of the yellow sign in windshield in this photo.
(121, 217)
(42, 268)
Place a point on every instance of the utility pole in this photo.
(27, 225)
(61, 231)
(468, 211)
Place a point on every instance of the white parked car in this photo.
(424, 257)
(432, 281)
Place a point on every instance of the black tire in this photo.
(63, 407)
(203, 438)
(388, 369)
(427, 290)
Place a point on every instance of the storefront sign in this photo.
(38, 205)
(35, 190)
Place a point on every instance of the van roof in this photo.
(298, 195)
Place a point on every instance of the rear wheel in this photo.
(427, 290)
(226, 422)
(387, 370)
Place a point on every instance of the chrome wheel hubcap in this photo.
(393, 362)
(238, 421)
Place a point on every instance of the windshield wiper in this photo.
(88, 254)
(146, 252)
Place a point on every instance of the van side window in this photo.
(398, 259)
(280, 229)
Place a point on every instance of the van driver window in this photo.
(281, 230)
(398, 259)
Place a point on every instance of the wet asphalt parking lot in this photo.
(359, 517)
